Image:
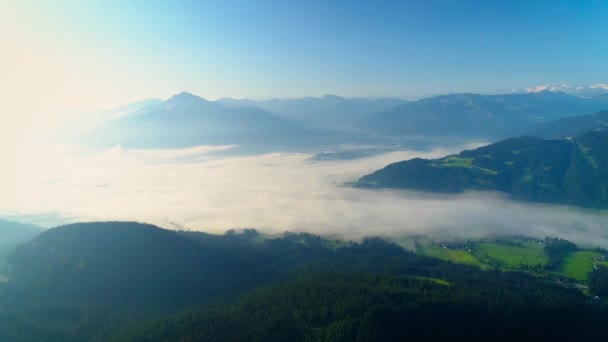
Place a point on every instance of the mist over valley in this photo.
(303, 171)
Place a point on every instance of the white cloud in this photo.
(273, 192)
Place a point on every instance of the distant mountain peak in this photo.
(185, 97)
(603, 86)
(332, 97)
(578, 90)
(550, 87)
(550, 93)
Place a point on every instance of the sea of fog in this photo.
(203, 188)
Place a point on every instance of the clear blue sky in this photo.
(258, 49)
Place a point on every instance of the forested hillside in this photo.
(572, 126)
(129, 281)
(570, 171)
(127, 263)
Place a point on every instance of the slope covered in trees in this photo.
(128, 281)
(571, 171)
(122, 262)
(375, 291)
(371, 307)
(572, 126)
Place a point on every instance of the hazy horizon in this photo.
(331, 170)
(72, 55)
(67, 65)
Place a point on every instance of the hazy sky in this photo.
(60, 57)
(83, 54)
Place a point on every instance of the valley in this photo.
(302, 171)
(84, 280)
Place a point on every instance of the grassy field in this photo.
(578, 265)
(436, 252)
(489, 254)
(454, 161)
(458, 256)
(511, 256)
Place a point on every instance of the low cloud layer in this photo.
(196, 189)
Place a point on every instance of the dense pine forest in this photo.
(136, 282)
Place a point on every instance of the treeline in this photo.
(297, 287)
(362, 304)
(557, 250)
(598, 281)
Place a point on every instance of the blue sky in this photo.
(60, 58)
(117, 51)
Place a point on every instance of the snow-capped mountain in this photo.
(584, 91)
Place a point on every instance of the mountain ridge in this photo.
(476, 115)
(565, 171)
(123, 262)
(327, 111)
(186, 120)
(572, 126)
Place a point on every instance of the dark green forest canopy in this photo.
(125, 263)
(570, 171)
(130, 281)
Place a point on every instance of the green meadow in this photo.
(578, 265)
(510, 254)
(454, 255)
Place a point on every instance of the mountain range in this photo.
(329, 111)
(576, 90)
(481, 116)
(187, 120)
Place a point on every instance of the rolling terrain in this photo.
(568, 171)
(124, 262)
(130, 281)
